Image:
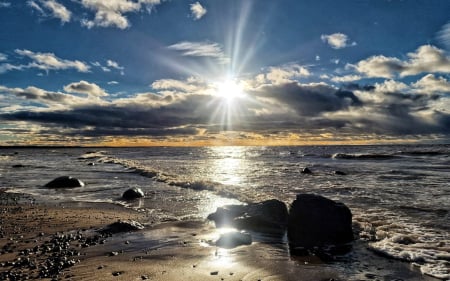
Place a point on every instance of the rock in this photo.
(268, 216)
(18, 166)
(65, 182)
(306, 171)
(233, 239)
(133, 193)
(316, 221)
(122, 226)
(340, 173)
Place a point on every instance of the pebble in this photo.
(214, 273)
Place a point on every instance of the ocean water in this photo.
(399, 195)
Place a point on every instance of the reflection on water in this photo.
(227, 164)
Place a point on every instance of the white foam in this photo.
(401, 239)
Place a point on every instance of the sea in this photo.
(399, 195)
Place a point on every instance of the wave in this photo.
(161, 176)
(396, 237)
(363, 156)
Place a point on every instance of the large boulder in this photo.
(133, 193)
(65, 182)
(268, 216)
(316, 221)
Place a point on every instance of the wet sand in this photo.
(60, 242)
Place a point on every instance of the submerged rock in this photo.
(234, 239)
(306, 171)
(268, 216)
(65, 182)
(122, 226)
(133, 193)
(316, 221)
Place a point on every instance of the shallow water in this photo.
(399, 195)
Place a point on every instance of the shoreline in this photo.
(167, 251)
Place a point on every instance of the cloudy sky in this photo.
(220, 72)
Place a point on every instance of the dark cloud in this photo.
(309, 100)
(269, 110)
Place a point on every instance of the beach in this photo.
(164, 251)
(55, 233)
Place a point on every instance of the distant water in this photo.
(399, 195)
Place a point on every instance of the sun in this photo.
(229, 90)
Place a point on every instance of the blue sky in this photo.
(155, 72)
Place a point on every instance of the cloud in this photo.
(51, 8)
(5, 4)
(426, 58)
(3, 57)
(191, 85)
(283, 74)
(111, 13)
(200, 49)
(346, 78)
(46, 62)
(197, 10)
(337, 40)
(431, 84)
(444, 35)
(87, 88)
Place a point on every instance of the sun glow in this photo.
(229, 90)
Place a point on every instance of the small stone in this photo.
(113, 254)
(117, 273)
(144, 277)
(214, 273)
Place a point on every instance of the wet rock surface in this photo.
(133, 193)
(122, 226)
(269, 216)
(234, 239)
(65, 182)
(316, 221)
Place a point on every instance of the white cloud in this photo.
(190, 85)
(114, 64)
(282, 74)
(47, 61)
(426, 58)
(337, 40)
(391, 86)
(87, 88)
(3, 57)
(197, 10)
(51, 8)
(5, 4)
(200, 49)
(110, 13)
(444, 35)
(346, 78)
(432, 84)
(35, 6)
(58, 10)
(113, 83)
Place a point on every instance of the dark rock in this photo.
(268, 216)
(233, 239)
(122, 226)
(316, 221)
(340, 173)
(133, 193)
(91, 164)
(306, 171)
(65, 182)
(18, 166)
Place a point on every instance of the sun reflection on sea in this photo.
(228, 165)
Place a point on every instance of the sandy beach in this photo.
(62, 242)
